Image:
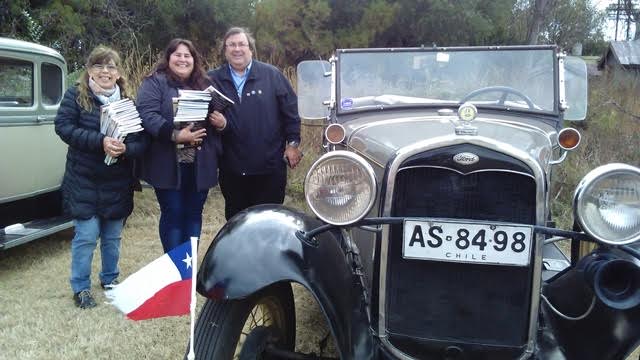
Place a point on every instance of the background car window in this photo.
(51, 84)
(16, 83)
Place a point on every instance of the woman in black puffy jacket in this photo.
(98, 196)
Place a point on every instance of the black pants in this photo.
(243, 191)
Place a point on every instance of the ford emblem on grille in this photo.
(466, 158)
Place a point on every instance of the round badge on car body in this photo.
(467, 112)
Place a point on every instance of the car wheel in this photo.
(242, 329)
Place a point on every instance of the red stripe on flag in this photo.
(172, 300)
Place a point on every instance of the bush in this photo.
(594, 47)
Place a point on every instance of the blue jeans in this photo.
(181, 210)
(84, 243)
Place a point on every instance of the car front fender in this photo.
(259, 247)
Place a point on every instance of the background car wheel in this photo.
(240, 329)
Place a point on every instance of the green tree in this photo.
(370, 25)
(571, 22)
(561, 22)
(64, 24)
(74, 27)
(449, 23)
(12, 23)
(288, 31)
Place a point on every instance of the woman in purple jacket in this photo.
(181, 165)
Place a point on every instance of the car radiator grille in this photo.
(432, 305)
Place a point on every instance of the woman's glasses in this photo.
(108, 67)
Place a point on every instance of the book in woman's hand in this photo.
(219, 102)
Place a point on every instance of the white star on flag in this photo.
(187, 260)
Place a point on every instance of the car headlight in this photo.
(340, 187)
(607, 204)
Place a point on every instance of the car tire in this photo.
(230, 329)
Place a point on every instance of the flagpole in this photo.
(192, 307)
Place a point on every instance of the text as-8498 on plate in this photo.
(472, 242)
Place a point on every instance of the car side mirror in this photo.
(314, 89)
(575, 75)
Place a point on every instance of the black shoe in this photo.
(110, 285)
(84, 299)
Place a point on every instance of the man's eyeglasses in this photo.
(237, 45)
(108, 67)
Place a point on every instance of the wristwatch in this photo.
(293, 143)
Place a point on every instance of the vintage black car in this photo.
(432, 236)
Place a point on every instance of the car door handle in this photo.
(41, 118)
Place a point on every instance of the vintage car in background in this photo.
(32, 156)
(431, 235)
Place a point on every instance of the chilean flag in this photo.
(161, 288)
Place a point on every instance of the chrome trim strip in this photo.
(561, 84)
(467, 173)
(402, 356)
(29, 194)
(21, 123)
(418, 118)
(333, 60)
(450, 140)
(382, 318)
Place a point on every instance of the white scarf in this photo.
(106, 96)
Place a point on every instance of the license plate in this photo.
(470, 242)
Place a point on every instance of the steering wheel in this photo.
(505, 90)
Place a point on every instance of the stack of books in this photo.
(192, 107)
(117, 119)
(195, 105)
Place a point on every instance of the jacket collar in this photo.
(254, 72)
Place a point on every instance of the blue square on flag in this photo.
(181, 257)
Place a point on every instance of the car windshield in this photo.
(521, 79)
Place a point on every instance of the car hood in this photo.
(382, 139)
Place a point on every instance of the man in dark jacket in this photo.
(263, 130)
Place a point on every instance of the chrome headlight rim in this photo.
(586, 183)
(366, 167)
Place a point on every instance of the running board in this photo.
(32, 230)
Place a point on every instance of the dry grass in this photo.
(39, 321)
(610, 134)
